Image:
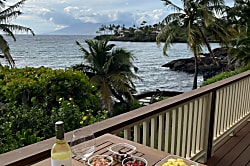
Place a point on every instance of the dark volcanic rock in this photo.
(207, 67)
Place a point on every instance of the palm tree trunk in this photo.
(208, 46)
(196, 70)
(120, 98)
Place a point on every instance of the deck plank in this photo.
(233, 150)
(235, 153)
(244, 158)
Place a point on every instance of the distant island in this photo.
(144, 33)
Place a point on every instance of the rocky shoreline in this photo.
(207, 67)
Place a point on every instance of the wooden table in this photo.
(102, 143)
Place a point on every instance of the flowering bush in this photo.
(38, 86)
(35, 98)
(73, 118)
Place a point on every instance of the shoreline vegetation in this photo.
(144, 33)
(139, 38)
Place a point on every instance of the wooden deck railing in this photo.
(191, 124)
(188, 125)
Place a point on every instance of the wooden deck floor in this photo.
(233, 151)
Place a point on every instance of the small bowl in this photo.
(103, 160)
(121, 151)
(130, 161)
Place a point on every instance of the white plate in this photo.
(187, 162)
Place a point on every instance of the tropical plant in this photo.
(6, 16)
(110, 70)
(239, 51)
(192, 20)
(238, 17)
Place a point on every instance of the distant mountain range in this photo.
(78, 29)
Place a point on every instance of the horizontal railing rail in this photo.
(189, 124)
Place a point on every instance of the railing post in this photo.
(211, 126)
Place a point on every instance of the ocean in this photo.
(60, 51)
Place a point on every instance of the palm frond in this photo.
(82, 48)
(6, 15)
(168, 34)
(4, 47)
(244, 42)
(239, 52)
(171, 5)
(214, 5)
(12, 8)
(9, 28)
(2, 3)
(173, 17)
(9, 16)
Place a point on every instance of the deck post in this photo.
(207, 136)
(211, 126)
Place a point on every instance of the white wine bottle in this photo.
(60, 152)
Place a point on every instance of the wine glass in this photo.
(83, 143)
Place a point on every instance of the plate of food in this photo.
(173, 160)
(134, 161)
(100, 160)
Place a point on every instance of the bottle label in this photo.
(67, 162)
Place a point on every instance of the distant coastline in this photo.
(150, 38)
(144, 38)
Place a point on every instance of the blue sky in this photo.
(49, 15)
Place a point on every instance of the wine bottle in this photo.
(60, 152)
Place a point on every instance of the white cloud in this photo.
(49, 15)
(71, 9)
(63, 1)
(61, 13)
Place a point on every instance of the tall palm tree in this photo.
(192, 20)
(6, 16)
(110, 70)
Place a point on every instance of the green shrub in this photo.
(20, 126)
(35, 98)
(37, 86)
(224, 75)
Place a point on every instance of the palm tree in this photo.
(6, 15)
(110, 71)
(192, 20)
(238, 17)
